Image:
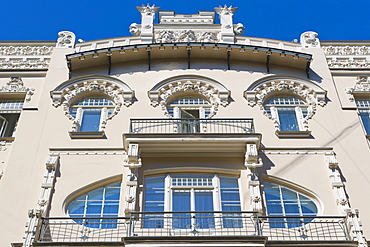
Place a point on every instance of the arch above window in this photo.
(88, 87)
(193, 86)
(262, 89)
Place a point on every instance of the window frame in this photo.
(300, 114)
(364, 108)
(79, 116)
(215, 187)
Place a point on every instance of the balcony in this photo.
(191, 126)
(192, 135)
(195, 226)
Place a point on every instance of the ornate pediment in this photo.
(362, 86)
(16, 85)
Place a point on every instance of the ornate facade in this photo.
(184, 134)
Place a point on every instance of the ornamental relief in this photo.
(25, 50)
(263, 91)
(362, 86)
(68, 94)
(214, 96)
(170, 36)
(346, 50)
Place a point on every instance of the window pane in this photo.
(181, 202)
(364, 114)
(96, 206)
(90, 120)
(288, 119)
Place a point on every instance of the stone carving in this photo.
(66, 39)
(354, 227)
(165, 36)
(135, 29)
(362, 85)
(239, 29)
(162, 96)
(187, 36)
(25, 50)
(309, 40)
(15, 85)
(68, 94)
(170, 36)
(25, 63)
(254, 187)
(346, 50)
(263, 91)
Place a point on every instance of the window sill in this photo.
(7, 139)
(87, 134)
(293, 134)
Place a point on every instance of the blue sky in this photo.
(41, 20)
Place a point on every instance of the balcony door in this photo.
(192, 200)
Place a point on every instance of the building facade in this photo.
(184, 134)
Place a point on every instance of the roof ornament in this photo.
(146, 27)
(310, 40)
(226, 19)
(147, 9)
(66, 39)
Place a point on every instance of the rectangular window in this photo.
(90, 119)
(365, 118)
(288, 119)
(9, 114)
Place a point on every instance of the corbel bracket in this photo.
(251, 156)
(133, 158)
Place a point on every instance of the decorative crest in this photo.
(66, 39)
(309, 40)
(147, 9)
(362, 85)
(225, 10)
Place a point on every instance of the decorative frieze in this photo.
(24, 63)
(346, 50)
(26, 50)
(348, 62)
(172, 36)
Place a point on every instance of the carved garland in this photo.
(69, 93)
(214, 96)
(263, 91)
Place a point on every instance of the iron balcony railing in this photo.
(192, 126)
(192, 224)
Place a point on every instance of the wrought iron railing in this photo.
(191, 126)
(192, 224)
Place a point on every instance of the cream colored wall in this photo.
(47, 127)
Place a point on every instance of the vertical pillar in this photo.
(226, 19)
(354, 227)
(336, 182)
(34, 215)
(147, 18)
(133, 162)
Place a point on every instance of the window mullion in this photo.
(299, 116)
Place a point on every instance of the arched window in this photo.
(91, 113)
(288, 111)
(282, 201)
(101, 202)
(192, 193)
